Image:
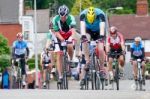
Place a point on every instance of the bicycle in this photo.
(93, 70)
(17, 78)
(66, 66)
(98, 76)
(139, 75)
(115, 66)
(47, 80)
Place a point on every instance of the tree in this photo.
(4, 48)
(4, 53)
(76, 8)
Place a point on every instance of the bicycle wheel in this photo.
(97, 82)
(117, 77)
(65, 65)
(47, 79)
(86, 82)
(65, 81)
(93, 69)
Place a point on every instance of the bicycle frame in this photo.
(139, 75)
(116, 68)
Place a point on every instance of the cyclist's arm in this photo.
(13, 52)
(143, 53)
(27, 49)
(82, 24)
(132, 53)
(102, 24)
(122, 42)
(108, 45)
(13, 49)
(56, 28)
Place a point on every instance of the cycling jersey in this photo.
(63, 26)
(137, 51)
(100, 17)
(20, 47)
(115, 43)
(46, 57)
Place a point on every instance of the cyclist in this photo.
(45, 63)
(20, 50)
(137, 52)
(92, 25)
(64, 29)
(115, 42)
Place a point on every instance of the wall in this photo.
(10, 31)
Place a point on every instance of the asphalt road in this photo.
(126, 91)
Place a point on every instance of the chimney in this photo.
(142, 8)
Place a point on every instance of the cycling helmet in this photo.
(19, 35)
(137, 39)
(91, 15)
(63, 10)
(113, 30)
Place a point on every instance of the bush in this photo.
(148, 66)
(4, 61)
(4, 48)
(31, 62)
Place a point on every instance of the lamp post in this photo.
(35, 45)
(107, 23)
(80, 5)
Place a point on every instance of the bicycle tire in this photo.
(117, 77)
(65, 81)
(97, 85)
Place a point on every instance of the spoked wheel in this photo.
(140, 85)
(97, 82)
(86, 83)
(65, 81)
(117, 78)
(93, 80)
(47, 80)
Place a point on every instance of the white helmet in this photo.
(137, 39)
(63, 10)
(113, 30)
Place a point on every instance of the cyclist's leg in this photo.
(23, 69)
(143, 67)
(59, 53)
(143, 71)
(101, 53)
(110, 69)
(70, 50)
(59, 64)
(121, 61)
(85, 48)
(134, 62)
(44, 75)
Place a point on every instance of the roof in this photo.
(9, 12)
(131, 25)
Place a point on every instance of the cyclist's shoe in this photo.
(53, 71)
(60, 81)
(121, 74)
(82, 82)
(44, 84)
(136, 84)
(111, 76)
(106, 82)
(24, 83)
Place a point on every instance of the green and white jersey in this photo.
(64, 26)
